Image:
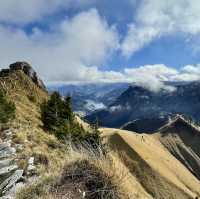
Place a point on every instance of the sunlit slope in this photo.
(182, 139)
(159, 173)
(26, 95)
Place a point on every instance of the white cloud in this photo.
(67, 52)
(120, 108)
(26, 11)
(92, 105)
(188, 73)
(155, 77)
(137, 38)
(155, 18)
(151, 77)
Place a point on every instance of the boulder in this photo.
(7, 197)
(12, 192)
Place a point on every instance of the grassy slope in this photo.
(153, 166)
(27, 126)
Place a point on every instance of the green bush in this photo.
(58, 118)
(7, 109)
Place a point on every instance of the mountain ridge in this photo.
(139, 103)
(155, 167)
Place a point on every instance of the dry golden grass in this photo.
(153, 166)
(86, 174)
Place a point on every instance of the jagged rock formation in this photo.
(27, 69)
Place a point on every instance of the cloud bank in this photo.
(153, 77)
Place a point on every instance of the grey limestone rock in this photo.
(11, 181)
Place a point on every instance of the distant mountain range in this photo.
(136, 108)
(88, 98)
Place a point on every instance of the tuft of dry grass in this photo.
(86, 174)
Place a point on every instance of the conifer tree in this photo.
(58, 118)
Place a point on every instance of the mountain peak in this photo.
(179, 122)
(27, 69)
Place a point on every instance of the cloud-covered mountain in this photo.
(139, 104)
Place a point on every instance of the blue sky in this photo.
(70, 41)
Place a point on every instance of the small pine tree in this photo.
(57, 117)
(67, 110)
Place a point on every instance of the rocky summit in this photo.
(27, 69)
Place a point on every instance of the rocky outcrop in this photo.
(10, 174)
(12, 178)
(27, 69)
